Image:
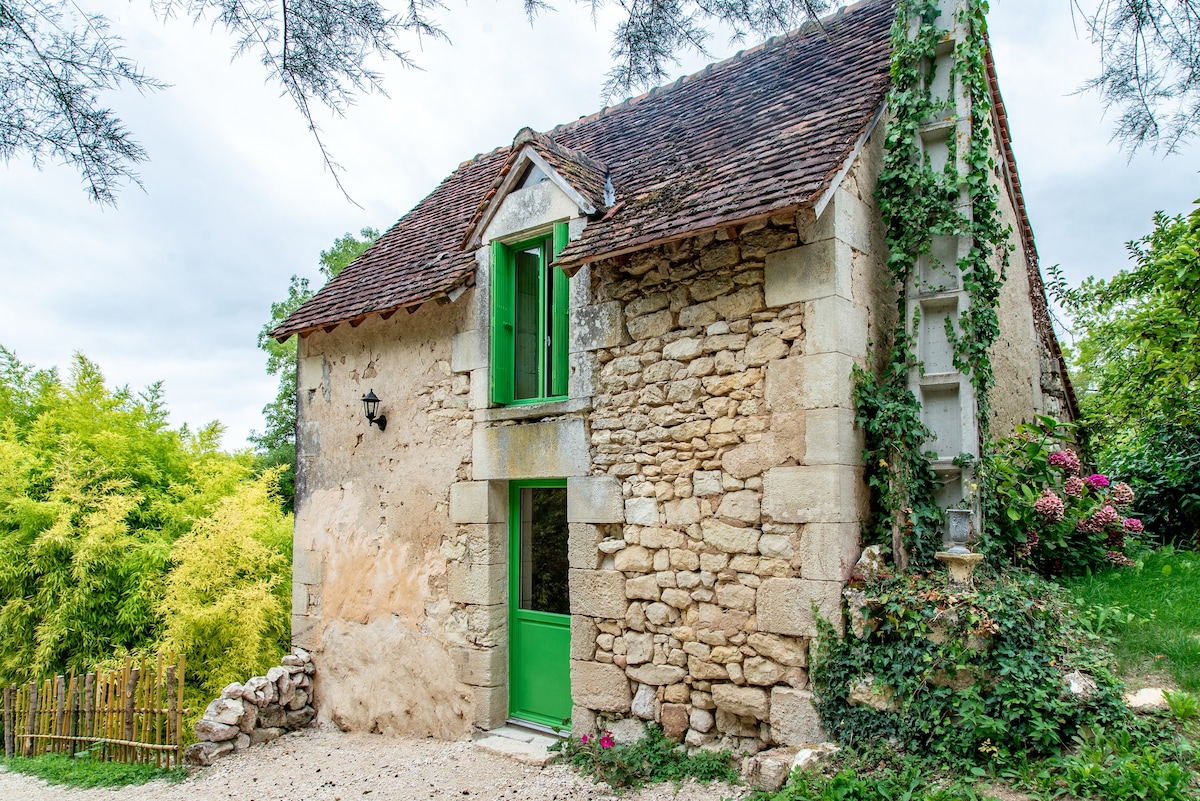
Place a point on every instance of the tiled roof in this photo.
(759, 133)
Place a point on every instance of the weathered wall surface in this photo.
(1028, 378)
(372, 516)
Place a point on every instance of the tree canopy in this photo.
(58, 59)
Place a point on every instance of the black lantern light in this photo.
(371, 406)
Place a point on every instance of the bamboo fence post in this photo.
(8, 722)
(179, 725)
(158, 710)
(172, 709)
(31, 720)
(89, 705)
(131, 680)
(72, 713)
(60, 708)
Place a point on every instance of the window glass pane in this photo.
(528, 267)
(544, 550)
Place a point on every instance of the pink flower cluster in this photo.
(1050, 506)
(1119, 559)
(606, 739)
(1121, 494)
(1068, 460)
(1102, 517)
(1133, 525)
(1096, 481)
(1074, 486)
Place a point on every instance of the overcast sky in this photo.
(176, 282)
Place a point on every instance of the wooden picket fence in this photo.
(132, 714)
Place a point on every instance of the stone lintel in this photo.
(548, 448)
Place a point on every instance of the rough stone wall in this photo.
(370, 575)
(727, 421)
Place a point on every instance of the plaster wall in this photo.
(372, 519)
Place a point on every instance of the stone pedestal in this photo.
(962, 568)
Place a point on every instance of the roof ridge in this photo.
(805, 29)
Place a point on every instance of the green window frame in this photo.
(530, 301)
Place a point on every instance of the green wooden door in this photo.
(540, 612)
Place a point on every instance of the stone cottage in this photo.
(620, 468)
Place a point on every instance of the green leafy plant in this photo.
(1183, 705)
(968, 676)
(651, 759)
(863, 777)
(1115, 765)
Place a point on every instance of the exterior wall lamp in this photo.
(371, 406)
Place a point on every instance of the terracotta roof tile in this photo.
(759, 133)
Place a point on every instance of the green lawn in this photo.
(82, 771)
(1152, 614)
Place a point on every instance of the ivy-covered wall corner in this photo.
(926, 412)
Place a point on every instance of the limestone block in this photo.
(480, 396)
(644, 702)
(852, 216)
(487, 543)
(835, 325)
(477, 502)
(583, 720)
(831, 437)
(643, 587)
(583, 637)
(674, 721)
(641, 511)
(742, 701)
(814, 494)
(211, 731)
(530, 450)
(829, 551)
(743, 506)
(299, 595)
(682, 512)
(581, 381)
(225, 710)
(762, 672)
(785, 606)
(776, 546)
(811, 381)
(736, 596)
(601, 687)
(580, 285)
(598, 326)
(683, 350)
(308, 566)
(594, 499)
(652, 325)
(469, 350)
(729, 539)
(706, 482)
(784, 650)
(807, 272)
(477, 584)
(489, 707)
(661, 538)
(598, 593)
(794, 719)
(481, 667)
(639, 647)
(701, 720)
(656, 675)
(583, 545)
(634, 559)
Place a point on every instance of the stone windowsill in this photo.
(533, 410)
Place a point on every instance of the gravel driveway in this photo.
(314, 765)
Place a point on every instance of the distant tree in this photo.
(1137, 360)
(276, 445)
(56, 61)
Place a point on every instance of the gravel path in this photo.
(314, 765)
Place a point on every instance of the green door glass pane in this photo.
(539, 670)
(527, 333)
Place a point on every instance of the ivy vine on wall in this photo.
(919, 203)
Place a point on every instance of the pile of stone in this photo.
(255, 712)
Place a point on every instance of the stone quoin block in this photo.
(598, 593)
(814, 494)
(582, 542)
(477, 584)
(835, 325)
(594, 499)
(808, 272)
(598, 326)
(794, 719)
(477, 502)
(810, 382)
(601, 687)
(785, 606)
(829, 551)
(469, 351)
(481, 667)
(831, 437)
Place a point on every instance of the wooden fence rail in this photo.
(132, 714)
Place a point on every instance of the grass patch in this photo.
(85, 772)
(1150, 613)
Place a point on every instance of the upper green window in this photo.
(529, 320)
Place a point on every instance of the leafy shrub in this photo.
(1159, 460)
(85, 772)
(1044, 511)
(1115, 765)
(651, 759)
(910, 778)
(976, 676)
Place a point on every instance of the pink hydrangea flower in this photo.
(606, 740)
(1096, 481)
(1068, 460)
(1104, 516)
(1073, 486)
(1119, 559)
(1121, 494)
(1133, 525)
(1050, 506)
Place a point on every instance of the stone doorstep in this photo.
(526, 746)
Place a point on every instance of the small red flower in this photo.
(606, 740)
